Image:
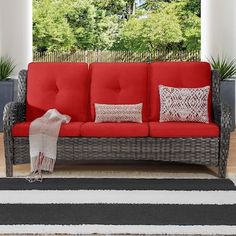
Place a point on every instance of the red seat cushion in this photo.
(119, 83)
(183, 129)
(64, 86)
(71, 129)
(91, 129)
(179, 75)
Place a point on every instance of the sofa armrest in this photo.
(225, 118)
(225, 124)
(14, 112)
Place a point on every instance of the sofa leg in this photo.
(9, 168)
(222, 169)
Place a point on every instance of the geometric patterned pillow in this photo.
(118, 113)
(184, 104)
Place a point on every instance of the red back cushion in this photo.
(64, 86)
(119, 83)
(179, 75)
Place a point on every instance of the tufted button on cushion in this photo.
(64, 86)
(56, 89)
(119, 83)
(118, 90)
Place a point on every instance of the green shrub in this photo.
(225, 66)
(6, 67)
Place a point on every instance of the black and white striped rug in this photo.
(118, 206)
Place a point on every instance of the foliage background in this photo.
(70, 25)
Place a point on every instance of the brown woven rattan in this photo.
(212, 151)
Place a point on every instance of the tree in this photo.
(51, 30)
(152, 5)
(131, 8)
(76, 24)
(152, 31)
(116, 24)
(112, 7)
(93, 26)
(187, 12)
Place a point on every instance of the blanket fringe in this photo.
(34, 176)
(39, 164)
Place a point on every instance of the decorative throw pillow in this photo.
(118, 113)
(184, 104)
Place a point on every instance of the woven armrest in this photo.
(221, 111)
(225, 118)
(225, 126)
(14, 112)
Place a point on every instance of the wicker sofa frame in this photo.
(211, 151)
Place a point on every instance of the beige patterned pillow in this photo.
(184, 104)
(118, 113)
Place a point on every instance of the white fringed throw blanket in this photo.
(43, 137)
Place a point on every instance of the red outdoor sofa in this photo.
(74, 88)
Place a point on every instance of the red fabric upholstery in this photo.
(119, 83)
(71, 129)
(64, 86)
(182, 129)
(176, 74)
(91, 129)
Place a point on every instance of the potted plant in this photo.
(7, 85)
(227, 71)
